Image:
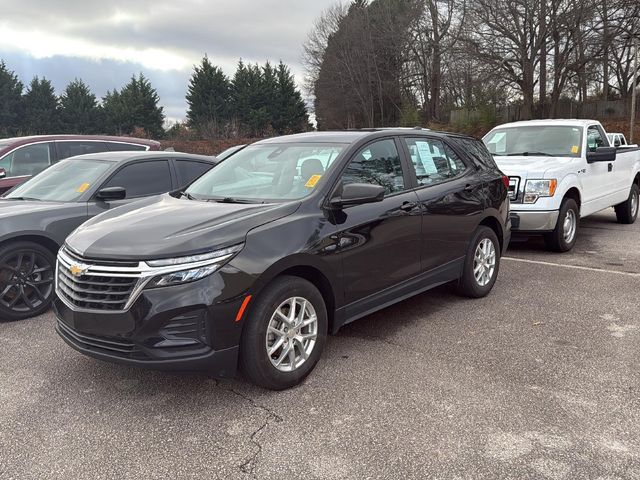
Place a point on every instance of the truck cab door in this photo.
(599, 179)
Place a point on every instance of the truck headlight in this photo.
(535, 189)
(173, 271)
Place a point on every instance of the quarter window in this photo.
(143, 178)
(378, 164)
(27, 160)
(433, 160)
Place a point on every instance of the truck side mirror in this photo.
(602, 154)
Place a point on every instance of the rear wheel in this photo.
(627, 211)
(285, 334)
(481, 264)
(563, 237)
(26, 280)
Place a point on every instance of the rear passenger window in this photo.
(73, 148)
(433, 160)
(378, 164)
(189, 170)
(125, 147)
(143, 178)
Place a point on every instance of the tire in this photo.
(26, 280)
(627, 211)
(564, 236)
(255, 361)
(484, 249)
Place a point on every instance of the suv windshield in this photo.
(63, 182)
(536, 140)
(271, 172)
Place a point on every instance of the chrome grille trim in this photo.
(514, 187)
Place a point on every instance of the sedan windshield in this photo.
(63, 182)
(271, 172)
(536, 140)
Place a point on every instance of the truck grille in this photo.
(514, 187)
(95, 285)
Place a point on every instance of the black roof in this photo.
(128, 156)
(351, 136)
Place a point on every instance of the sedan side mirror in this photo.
(602, 154)
(357, 194)
(3, 173)
(111, 193)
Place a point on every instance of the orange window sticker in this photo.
(312, 181)
(575, 149)
(82, 188)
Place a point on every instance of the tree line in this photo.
(256, 101)
(390, 62)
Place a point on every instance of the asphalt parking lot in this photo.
(539, 380)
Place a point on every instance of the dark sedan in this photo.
(37, 216)
(284, 242)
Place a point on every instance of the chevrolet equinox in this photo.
(282, 243)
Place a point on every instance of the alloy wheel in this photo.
(484, 262)
(26, 281)
(291, 334)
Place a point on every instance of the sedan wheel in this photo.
(26, 281)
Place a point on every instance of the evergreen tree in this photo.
(79, 111)
(11, 102)
(135, 106)
(290, 112)
(208, 98)
(40, 108)
(249, 100)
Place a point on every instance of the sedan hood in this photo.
(164, 227)
(10, 208)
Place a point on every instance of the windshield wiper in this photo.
(231, 200)
(188, 195)
(529, 154)
(21, 198)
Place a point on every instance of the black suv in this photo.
(285, 241)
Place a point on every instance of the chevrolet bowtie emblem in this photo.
(77, 270)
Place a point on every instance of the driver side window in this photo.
(594, 138)
(378, 164)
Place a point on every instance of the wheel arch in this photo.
(494, 224)
(43, 240)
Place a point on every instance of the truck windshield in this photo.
(270, 172)
(536, 140)
(65, 181)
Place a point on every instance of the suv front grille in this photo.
(93, 285)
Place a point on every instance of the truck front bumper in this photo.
(533, 221)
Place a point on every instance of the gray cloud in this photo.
(255, 31)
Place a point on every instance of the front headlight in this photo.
(535, 189)
(189, 269)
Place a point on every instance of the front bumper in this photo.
(178, 328)
(533, 221)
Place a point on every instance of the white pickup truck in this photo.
(560, 171)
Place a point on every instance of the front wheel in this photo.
(481, 264)
(627, 211)
(26, 280)
(285, 334)
(563, 237)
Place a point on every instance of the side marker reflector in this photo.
(243, 307)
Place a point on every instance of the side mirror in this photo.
(602, 154)
(357, 194)
(3, 173)
(111, 193)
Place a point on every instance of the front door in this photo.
(379, 242)
(599, 181)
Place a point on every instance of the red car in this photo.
(23, 157)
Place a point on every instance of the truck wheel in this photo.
(285, 333)
(563, 237)
(627, 211)
(481, 264)
(26, 280)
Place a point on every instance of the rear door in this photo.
(379, 242)
(140, 179)
(451, 194)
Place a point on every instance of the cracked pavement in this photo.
(539, 380)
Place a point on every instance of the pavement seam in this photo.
(249, 465)
(575, 267)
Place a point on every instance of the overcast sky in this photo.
(104, 42)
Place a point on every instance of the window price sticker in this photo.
(82, 188)
(312, 181)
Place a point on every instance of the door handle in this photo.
(611, 167)
(469, 188)
(408, 206)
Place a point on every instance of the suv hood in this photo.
(531, 166)
(164, 227)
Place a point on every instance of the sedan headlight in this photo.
(189, 269)
(535, 189)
